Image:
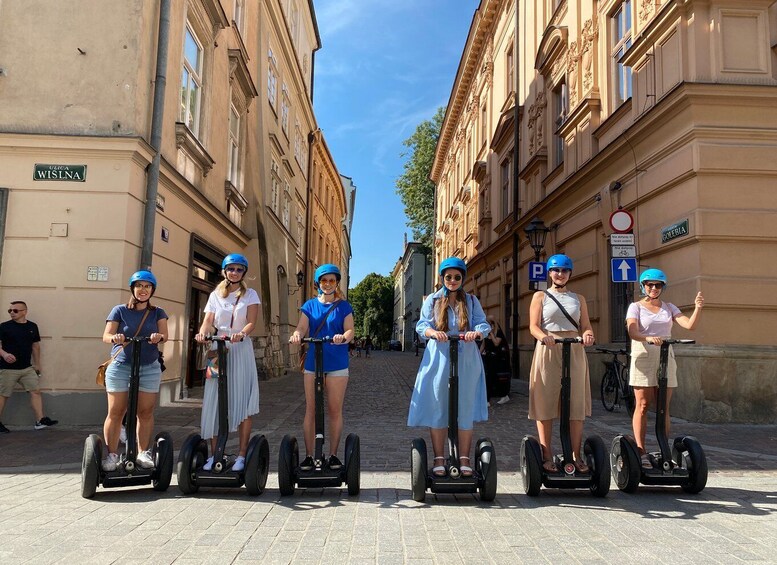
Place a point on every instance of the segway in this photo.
(289, 473)
(194, 452)
(127, 472)
(483, 479)
(594, 450)
(683, 464)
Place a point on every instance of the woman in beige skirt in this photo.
(649, 321)
(547, 321)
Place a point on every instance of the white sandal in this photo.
(466, 470)
(439, 470)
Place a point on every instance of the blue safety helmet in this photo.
(145, 276)
(656, 275)
(326, 269)
(453, 263)
(559, 261)
(234, 259)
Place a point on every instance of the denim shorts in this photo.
(117, 377)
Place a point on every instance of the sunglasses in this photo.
(452, 278)
(143, 286)
(654, 285)
(14, 311)
(235, 270)
(559, 270)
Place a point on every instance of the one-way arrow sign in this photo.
(624, 270)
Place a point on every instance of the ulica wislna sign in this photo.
(71, 173)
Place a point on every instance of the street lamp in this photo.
(300, 280)
(536, 233)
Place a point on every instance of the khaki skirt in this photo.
(545, 381)
(643, 370)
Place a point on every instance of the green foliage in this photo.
(414, 186)
(373, 306)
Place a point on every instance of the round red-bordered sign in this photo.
(621, 221)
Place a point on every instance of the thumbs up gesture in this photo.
(699, 300)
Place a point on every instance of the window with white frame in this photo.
(239, 15)
(191, 81)
(285, 109)
(509, 71)
(275, 182)
(620, 23)
(297, 143)
(272, 78)
(560, 109)
(286, 207)
(233, 151)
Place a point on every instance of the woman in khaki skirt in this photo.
(547, 321)
(649, 321)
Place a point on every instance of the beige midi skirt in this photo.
(545, 381)
(643, 370)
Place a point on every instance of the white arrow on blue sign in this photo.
(624, 270)
(537, 271)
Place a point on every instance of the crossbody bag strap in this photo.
(563, 310)
(123, 345)
(232, 319)
(321, 325)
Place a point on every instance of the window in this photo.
(560, 108)
(275, 181)
(483, 125)
(297, 143)
(294, 23)
(272, 78)
(239, 15)
(191, 82)
(509, 71)
(505, 178)
(285, 109)
(233, 151)
(286, 205)
(621, 41)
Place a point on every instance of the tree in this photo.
(373, 306)
(414, 186)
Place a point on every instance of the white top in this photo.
(651, 324)
(553, 319)
(223, 307)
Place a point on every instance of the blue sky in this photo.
(384, 67)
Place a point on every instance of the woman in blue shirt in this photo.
(450, 309)
(123, 322)
(329, 314)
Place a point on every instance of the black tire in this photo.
(696, 462)
(598, 460)
(90, 465)
(531, 466)
(162, 454)
(192, 456)
(418, 469)
(625, 464)
(288, 461)
(257, 465)
(609, 390)
(486, 467)
(353, 464)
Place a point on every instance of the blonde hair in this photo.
(441, 311)
(223, 289)
(339, 294)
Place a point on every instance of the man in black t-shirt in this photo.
(20, 362)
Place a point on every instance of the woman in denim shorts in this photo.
(122, 323)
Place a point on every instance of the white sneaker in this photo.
(208, 464)
(145, 460)
(504, 400)
(123, 435)
(110, 462)
(240, 463)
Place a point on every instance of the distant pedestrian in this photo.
(20, 362)
(358, 343)
(367, 346)
(450, 309)
(328, 314)
(232, 309)
(649, 321)
(496, 360)
(137, 317)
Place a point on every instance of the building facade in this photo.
(412, 281)
(76, 157)
(664, 109)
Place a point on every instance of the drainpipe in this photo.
(308, 214)
(152, 179)
(516, 358)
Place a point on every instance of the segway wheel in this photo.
(531, 465)
(288, 461)
(162, 454)
(695, 461)
(192, 456)
(257, 465)
(90, 465)
(353, 464)
(598, 460)
(625, 463)
(486, 463)
(418, 469)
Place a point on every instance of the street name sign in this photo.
(71, 173)
(674, 231)
(624, 270)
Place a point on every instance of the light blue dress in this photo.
(429, 404)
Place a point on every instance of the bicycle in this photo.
(615, 382)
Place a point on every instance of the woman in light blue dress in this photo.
(450, 309)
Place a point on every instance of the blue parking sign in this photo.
(537, 271)
(624, 269)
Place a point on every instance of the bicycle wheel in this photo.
(628, 394)
(609, 390)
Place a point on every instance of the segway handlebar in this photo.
(670, 341)
(146, 339)
(325, 339)
(569, 340)
(217, 338)
(453, 336)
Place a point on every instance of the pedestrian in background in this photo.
(450, 309)
(367, 345)
(649, 321)
(328, 314)
(559, 313)
(137, 317)
(496, 360)
(20, 362)
(232, 310)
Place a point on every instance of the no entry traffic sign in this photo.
(621, 221)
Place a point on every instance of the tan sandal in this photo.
(439, 470)
(549, 466)
(466, 470)
(582, 467)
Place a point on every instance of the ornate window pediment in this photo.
(240, 76)
(554, 42)
(185, 140)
